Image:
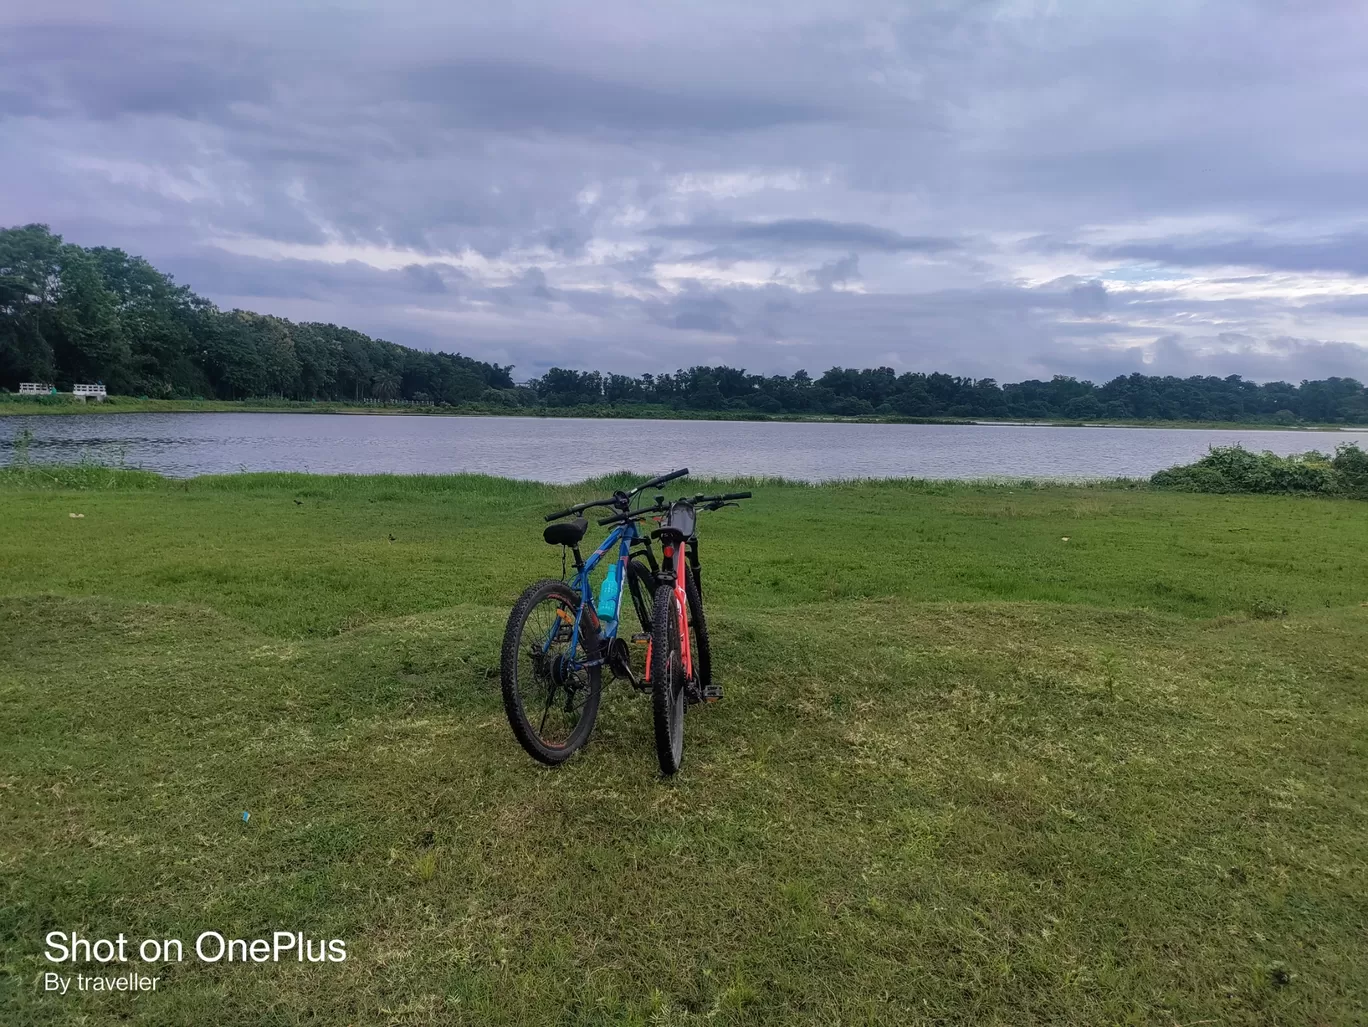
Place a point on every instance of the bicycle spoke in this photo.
(550, 695)
(550, 675)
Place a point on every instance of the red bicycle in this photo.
(678, 654)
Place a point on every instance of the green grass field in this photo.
(990, 755)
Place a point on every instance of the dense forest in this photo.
(70, 314)
(882, 391)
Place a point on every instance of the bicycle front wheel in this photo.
(668, 681)
(550, 695)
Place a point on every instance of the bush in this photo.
(1351, 464)
(45, 400)
(1234, 469)
(852, 407)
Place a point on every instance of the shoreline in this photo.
(125, 405)
(114, 476)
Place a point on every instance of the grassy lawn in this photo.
(966, 771)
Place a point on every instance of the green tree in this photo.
(160, 322)
(232, 357)
(30, 279)
(88, 341)
(276, 351)
(385, 384)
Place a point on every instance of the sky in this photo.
(1008, 189)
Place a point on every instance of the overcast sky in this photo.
(1006, 189)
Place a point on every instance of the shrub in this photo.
(1234, 469)
(1351, 464)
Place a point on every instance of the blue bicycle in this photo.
(559, 637)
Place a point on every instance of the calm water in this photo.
(566, 450)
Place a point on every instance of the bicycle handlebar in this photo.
(702, 500)
(660, 481)
(707, 502)
(620, 498)
(578, 508)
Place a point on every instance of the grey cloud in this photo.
(1088, 297)
(424, 278)
(236, 278)
(1346, 306)
(699, 313)
(846, 269)
(1281, 358)
(1347, 252)
(1002, 331)
(833, 141)
(508, 95)
(108, 71)
(806, 232)
(530, 291)
(1088, 329)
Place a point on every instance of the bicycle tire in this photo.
(529, 736)
(699, 646)
(667, 682)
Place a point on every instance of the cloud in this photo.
(1274, 359)
(105, 72)
(833, 272)
(997, 188)
(805, 233)
(506, 96)
(1347, 252)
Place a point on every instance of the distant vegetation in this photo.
(1235, 469)
(70, 314)
(883, 392)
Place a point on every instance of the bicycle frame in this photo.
(680, 543)
(674, 559)
(623, 536)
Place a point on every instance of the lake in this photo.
(572, 449)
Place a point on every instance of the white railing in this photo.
(94, 391)
(35, 388)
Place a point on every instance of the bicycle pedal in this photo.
(713, 693)
(641, 638)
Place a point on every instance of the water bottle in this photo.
(608, 596)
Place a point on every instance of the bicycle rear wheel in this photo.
(699, 647)
(550, 697)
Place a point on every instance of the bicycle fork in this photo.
(674, 572)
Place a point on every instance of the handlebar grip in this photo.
(655, 482)
(612, 520)
(737, 495)
(557, 516)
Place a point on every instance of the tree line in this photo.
(882, 391)
(72, 314)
